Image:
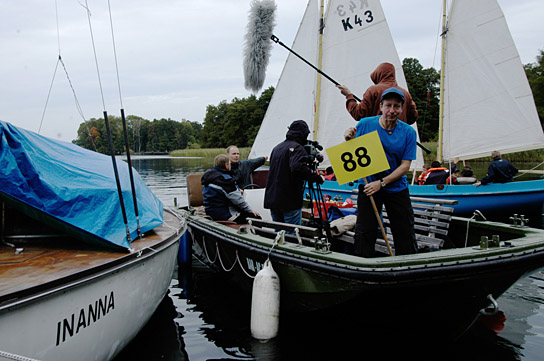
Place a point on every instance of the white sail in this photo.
(488, 104)
(294, 96)
(356, 40)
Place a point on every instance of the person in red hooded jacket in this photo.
(383, 78)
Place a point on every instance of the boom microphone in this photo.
(257, 45)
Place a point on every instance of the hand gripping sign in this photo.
(358, 158)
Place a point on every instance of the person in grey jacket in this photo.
(223, 200)
(241, 170)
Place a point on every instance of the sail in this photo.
(71, 188)
(488, 104)
(356, 40)
(294, 96)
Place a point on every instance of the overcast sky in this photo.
(175, 57)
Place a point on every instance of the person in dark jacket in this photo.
(289, 170)
(241, 170)
(499, 170)
(437, 174)
(223, 200)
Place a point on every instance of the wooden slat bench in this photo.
(431, 223)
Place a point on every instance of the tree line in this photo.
(144, 136)
(237, 122)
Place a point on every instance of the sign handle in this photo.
(384, 235)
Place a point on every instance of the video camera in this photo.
(312, 148)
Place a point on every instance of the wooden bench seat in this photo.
(431, 223)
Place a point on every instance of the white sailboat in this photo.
(346, 50)
(487, 105)
(487, 102)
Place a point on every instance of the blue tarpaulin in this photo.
(74, 185)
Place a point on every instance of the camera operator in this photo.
(290, 167)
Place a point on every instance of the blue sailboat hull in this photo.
(497, 201)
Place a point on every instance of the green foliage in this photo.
(235, 123)
(535, 75)
(161, 135)
(239, 121)
(207, 152)
(424, 86)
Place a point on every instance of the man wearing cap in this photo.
(288, 170)
(389, 188)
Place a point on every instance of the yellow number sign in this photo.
(358, 158)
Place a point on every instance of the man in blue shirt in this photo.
(389, 188)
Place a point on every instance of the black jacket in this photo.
(288, 170)
(241, 171)
(500, 171)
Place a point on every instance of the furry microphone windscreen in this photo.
(258, 45)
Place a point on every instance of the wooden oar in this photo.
(384, 235)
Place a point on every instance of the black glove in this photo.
(316, 178)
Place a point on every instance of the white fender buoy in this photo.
(265, 303)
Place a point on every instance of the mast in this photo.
(319, 65)
(440, 149)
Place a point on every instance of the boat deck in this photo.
(47, 260)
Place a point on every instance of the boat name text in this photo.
(86, 316)
(254, 265)
(345, 11)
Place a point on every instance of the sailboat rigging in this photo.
(300, 94)
(487, 103)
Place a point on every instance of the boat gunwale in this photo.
(527, 187)
(20, 297)
(381, 271)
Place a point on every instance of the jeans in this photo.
(291, 217)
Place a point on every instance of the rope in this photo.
(86, 7)
(115, 56)
(218, 256)
(206, 251)
(221, 261)
(49, 94)
(78, 106)
(521, 174)
(12, 356)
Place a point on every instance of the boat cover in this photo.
(73, 185)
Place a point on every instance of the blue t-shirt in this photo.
(398, 146)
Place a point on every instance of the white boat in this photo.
(73, 284)
(444, 286)
(488, 104)
(355, 40)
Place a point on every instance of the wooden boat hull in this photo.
(451, 284)
(85, 304)
(496, 201)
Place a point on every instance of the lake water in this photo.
(204, 318)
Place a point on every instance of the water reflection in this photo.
(160, 339)
(167, 176)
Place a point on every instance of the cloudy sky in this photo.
(175, 57)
